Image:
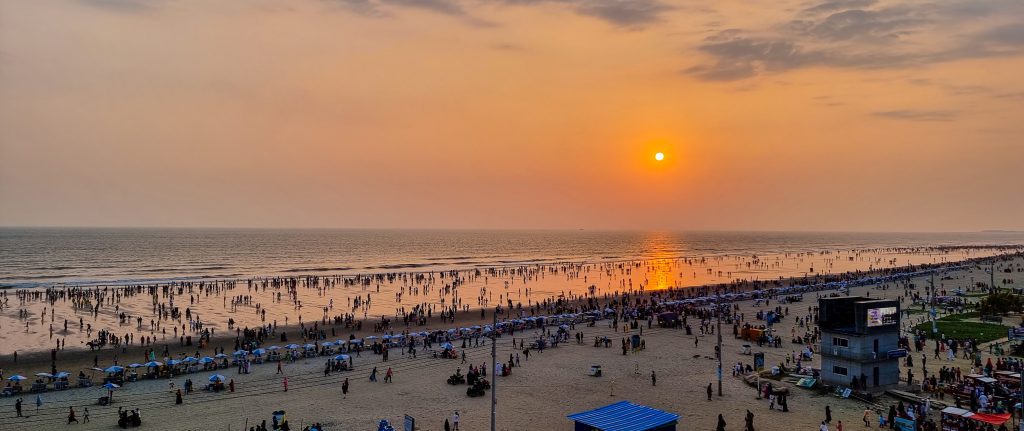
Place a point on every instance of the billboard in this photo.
(882, 316)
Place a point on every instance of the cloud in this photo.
(447, 7)
(124, 6)
(624, 13)
(855, 34)
(916, 115)
(837, 5)
(369, 8)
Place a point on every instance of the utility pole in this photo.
(494, 367)
(718, 312)
(992, 274)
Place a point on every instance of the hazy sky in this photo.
(782, 115)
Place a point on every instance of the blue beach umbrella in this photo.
(114, 369)
(216, 378)
(152, 364)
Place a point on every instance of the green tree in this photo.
(1000, 303)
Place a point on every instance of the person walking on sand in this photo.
(387, 375)
(654, 379)
(17, 407)
(721, 423)
(286, 384)
(867, 416)
(455, 421)
(749, 421)
(71, 415)
(828, 414)
(279, 368)
(373, 375)
(709, 391)
(85, 416)
(447, 425)
(344, 388)
(823, 427)
(839, 426)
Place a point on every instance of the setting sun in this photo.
(659, 156)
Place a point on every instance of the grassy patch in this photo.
(983, 332)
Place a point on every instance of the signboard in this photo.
(882, 316)
(410, 423)
(898, 353)
(1016, 333)
(759, 361)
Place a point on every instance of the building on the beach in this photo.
(625, 416)
(860, 342)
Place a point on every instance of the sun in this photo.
(659, 156)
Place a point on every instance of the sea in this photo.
(39, 257)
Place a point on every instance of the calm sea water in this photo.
(34, 257)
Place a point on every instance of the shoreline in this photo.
(79, 357)
(390, 269)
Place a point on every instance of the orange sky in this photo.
(792, 115)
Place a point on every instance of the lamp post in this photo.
(718, 313)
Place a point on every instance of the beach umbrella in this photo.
(327, 344)
(447, 346)
(292, 346)
(386, 337)
(206, 360)
(310, 346)
(134, 365)
(565, 327)
(114, 369)
(220, 356)
(371, 338)
(110, 390)
(475, 327)
(39, 402)
(259, 352)
(17, 378)
(356, 341)
(152, 364)
(216, 378)
(191, 359)
(62, 374)
(240, 353)
(341, 358)
(47, 375)
(173, 362)
(272, 348)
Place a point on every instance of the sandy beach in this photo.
(537, 395)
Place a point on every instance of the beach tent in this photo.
(625, 416)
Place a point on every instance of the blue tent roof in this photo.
(625, 416)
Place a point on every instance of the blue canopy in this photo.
(625, 416)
